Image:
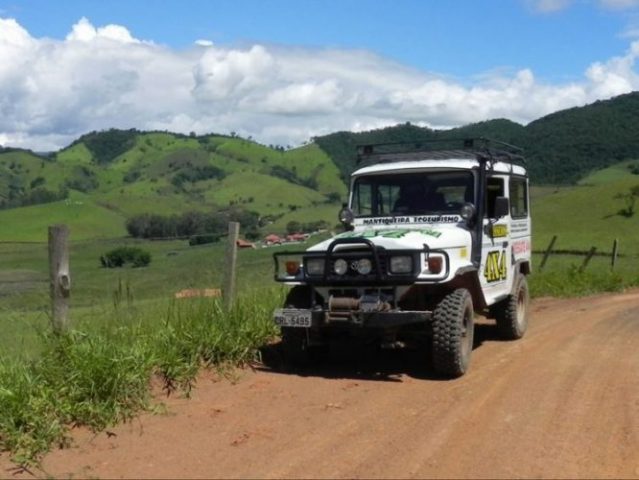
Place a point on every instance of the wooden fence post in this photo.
(547, 252)
(231, 261)
(615, 252)
(59, 277)
(587, 259)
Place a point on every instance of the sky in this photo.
(283, 71)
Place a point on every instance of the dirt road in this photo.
(563, 402)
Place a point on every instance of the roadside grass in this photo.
(586, 216)
(561, 277)
(100, 372)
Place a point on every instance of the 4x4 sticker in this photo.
(500, 231)
(394, 233)
(495, 269)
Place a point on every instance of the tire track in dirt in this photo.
(562, 402)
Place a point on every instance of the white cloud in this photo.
(204, 43)
(549, 6)
(83, 31)
(619, 4)
(52, 91)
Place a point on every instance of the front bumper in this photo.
(321, 318)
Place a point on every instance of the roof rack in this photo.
(442, 149)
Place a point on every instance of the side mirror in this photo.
(502, 207)
(346, 217)
(468, 212)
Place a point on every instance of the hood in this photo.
(408, 237)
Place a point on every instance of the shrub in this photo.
(83, 180)
(203, 239)
(118, 257)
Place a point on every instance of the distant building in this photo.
(273, 239)
(297, 237)
(244, 244)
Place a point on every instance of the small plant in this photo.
(120, 256)
(629, 198)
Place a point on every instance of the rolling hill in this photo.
(114, 175)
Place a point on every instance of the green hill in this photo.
(118, 174)
(560, 148)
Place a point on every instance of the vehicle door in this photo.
(495, 269)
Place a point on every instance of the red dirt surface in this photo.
(562, 402)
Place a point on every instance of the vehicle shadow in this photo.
(360, 361)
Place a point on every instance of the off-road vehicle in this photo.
(434, 236)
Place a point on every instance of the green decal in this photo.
(430, 232)
(389, 233)
(392, 233)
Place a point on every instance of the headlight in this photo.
(315, 266)
(288, 266)
(401, 264)
(340, 266)
(292, 267)
(364, 266)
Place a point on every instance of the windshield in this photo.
(412, 193)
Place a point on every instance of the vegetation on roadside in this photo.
(100, 373)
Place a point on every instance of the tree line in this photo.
(560, 148)
(193, 223)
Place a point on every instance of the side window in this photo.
(518, 197)
(494, 189)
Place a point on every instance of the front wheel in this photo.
(453, 329)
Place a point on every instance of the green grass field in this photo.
(586, 216)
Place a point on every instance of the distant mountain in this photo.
(560, 148)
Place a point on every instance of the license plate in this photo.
(292, 318)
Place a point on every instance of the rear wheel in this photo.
(453, 329)
(512, 313)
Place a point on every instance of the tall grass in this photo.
(562, 276)
(99, 374)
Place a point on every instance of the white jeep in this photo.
(433, 237)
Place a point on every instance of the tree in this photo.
(293, 227)
(630, 199)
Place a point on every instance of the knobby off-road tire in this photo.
(295, 347)
(511, 313)
(453, 328)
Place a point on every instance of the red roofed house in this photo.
(272, 239)
(244, 244)
(296, 237)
